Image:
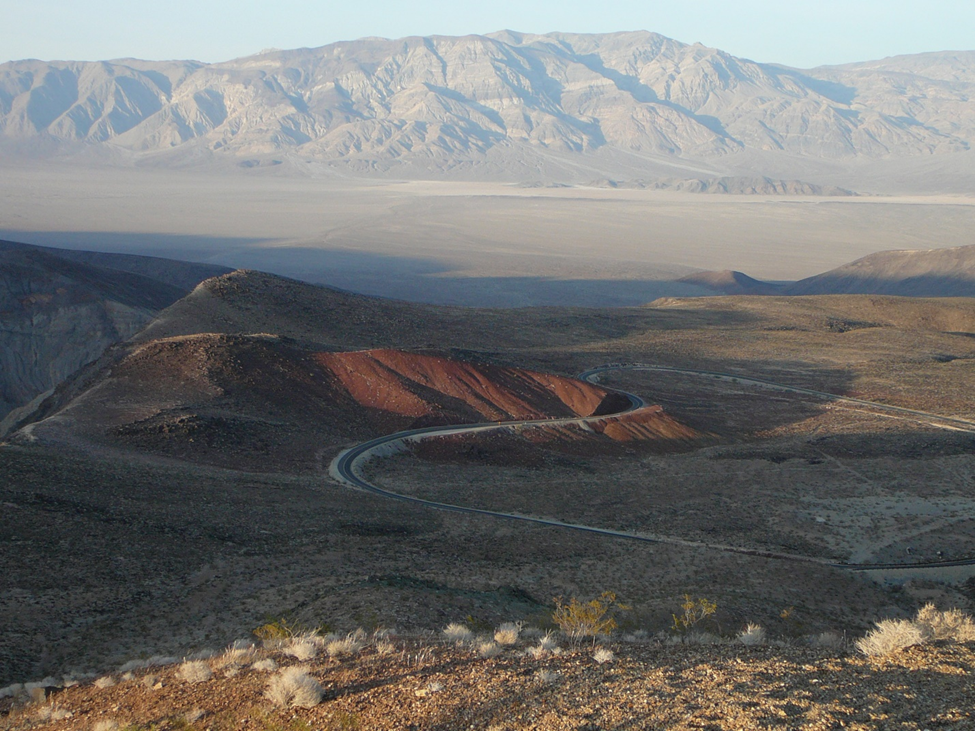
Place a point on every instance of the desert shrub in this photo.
(890, 636)
(507, 633)
(455, 632)
(195, 671)
(602, 655)
(587, 619)
(952, 624)
(693, 612)
(752, 635)
(930, 623)
(488, 649)
(294, 687)
(278, 629)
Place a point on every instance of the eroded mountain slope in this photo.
(503, 101)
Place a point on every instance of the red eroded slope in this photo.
(438, 388)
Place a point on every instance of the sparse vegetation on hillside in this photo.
(929, 624)
(484, 684)
(579, 619)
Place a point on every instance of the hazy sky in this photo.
(801, 34)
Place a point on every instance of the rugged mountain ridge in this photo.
(507, 99)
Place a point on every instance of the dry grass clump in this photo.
(294, 687)
(546, 677)
(195, 671)
(930, 623)
(752, 635)
(234, 659)
(507, 633)
(603, 655)
(267, 665)
(349, 645)
(303, 648)
(488, 649)
(455, 632)
(546, 645)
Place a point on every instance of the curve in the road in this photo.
(346, 468)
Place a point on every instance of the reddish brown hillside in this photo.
(429, 387)
(263, 402)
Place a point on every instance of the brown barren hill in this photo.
(266, 403)
(449, 391)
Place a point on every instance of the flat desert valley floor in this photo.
(484, 244)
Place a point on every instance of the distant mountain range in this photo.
(504, 103)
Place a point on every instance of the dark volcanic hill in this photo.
(928, 273)
(489, 105)
(60, 310)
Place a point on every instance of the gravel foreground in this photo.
(401, 683)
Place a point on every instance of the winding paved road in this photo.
(346, 468)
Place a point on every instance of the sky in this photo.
(801, 34)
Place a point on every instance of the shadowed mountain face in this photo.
(935, 273)
(60, 310)
(500, 100)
